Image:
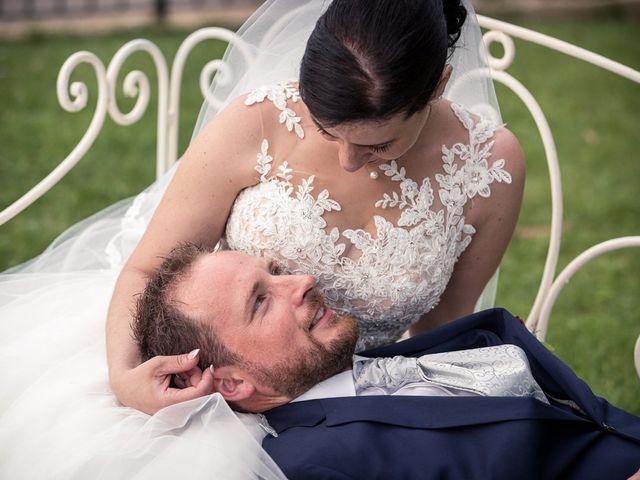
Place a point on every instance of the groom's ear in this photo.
(232, 383)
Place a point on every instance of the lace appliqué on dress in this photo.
(475, 175)
(386, 281)
(304, 239)
(278, 94)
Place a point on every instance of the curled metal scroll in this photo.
(508, 47)
(560, 46)
(217, 68)
(136, 85)
(74, 103)
(568, 272)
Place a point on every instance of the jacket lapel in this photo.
(297, 414)
(413, 411)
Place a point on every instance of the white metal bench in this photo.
(73, 98)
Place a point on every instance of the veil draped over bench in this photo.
(58, 417)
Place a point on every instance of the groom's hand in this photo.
(148, 388)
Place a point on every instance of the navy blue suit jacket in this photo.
(406, 437)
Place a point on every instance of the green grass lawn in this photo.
(594, 116)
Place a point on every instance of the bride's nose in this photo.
(348, 157)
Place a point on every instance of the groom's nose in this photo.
(297, 287)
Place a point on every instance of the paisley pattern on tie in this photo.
(497, 371)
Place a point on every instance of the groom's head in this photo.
(269, 336)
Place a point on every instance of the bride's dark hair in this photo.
(371, 59)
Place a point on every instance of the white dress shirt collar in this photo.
(340, 385)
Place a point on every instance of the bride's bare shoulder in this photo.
(237, 133)
(235, 122)
(508, 147)
(228, 142)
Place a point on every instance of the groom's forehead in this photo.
(221, 275)
(233, 262)
(200, 291)
(236, 264)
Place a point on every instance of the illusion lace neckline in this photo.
(387, 279)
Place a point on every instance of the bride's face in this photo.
(371, 142)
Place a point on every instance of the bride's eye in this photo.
(324, 133)
(379, 148)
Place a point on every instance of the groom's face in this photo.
(278, 324)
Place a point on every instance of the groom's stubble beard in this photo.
(293, 377)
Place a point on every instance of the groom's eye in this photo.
(259, 301)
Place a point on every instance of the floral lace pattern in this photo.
(278, 94)
(398, 274)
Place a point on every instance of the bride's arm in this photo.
(495, 219)
(217, 165)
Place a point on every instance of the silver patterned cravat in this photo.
(500, 371)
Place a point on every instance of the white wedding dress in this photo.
(58, 417)
(388, 278)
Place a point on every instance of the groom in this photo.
(277, 349)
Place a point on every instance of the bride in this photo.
(370, 156)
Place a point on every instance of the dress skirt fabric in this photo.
(58, 416)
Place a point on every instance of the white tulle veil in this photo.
(58, 418)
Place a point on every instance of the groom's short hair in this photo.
(161, 328)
